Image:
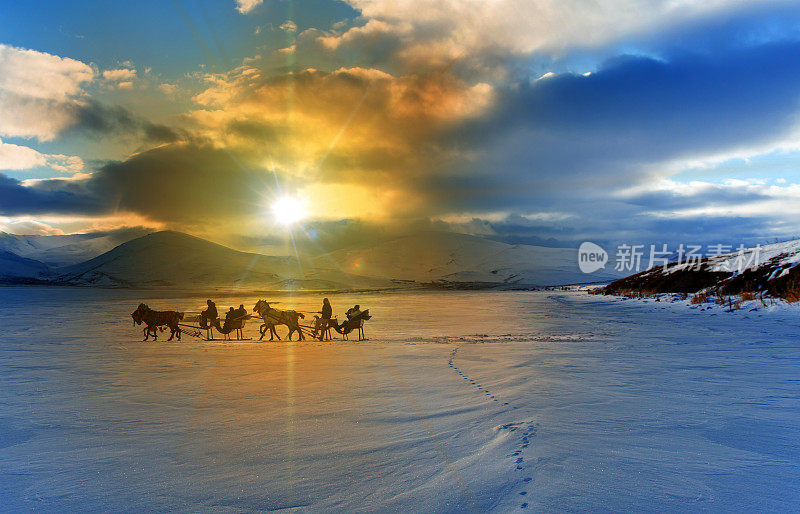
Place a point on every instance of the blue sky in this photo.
(523, 121)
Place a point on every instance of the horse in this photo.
(274, 317)
(154, 319)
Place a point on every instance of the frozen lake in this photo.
(459, 401)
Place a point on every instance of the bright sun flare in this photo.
(288, 210)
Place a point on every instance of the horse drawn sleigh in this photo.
(208, 321)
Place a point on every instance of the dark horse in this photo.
(274, 317)
(154, 319)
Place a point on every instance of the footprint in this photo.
(523, 493)
(524, 506)
(519, 460)
(527, 479)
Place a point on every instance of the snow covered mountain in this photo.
(15, 269)
(173, 259)
(64, 250)
(446, 257)
(168, 259)
(771, 269)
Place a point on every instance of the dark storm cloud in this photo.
(96, 118)
(571, 137)
(256, 130)
(93, 116)
(51, 196)
(622, 226)
(182, 182)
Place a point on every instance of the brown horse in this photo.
(274, 317)
(154, 319)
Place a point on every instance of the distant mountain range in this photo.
(16, 269)
(173, 259)
(64, 250)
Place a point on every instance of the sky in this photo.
(525, 121)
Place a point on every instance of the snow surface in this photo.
(460, 401)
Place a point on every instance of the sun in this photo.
(288, 210)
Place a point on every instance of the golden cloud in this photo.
(339, 126)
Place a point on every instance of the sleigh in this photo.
(235, 326)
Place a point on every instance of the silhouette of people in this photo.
(325, 320)
(208, 316)
(352, 313)
(241, 312)
(230, 316)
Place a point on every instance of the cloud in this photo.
(186, 183)
(17, 157)
(288, 26)
(168, 89)
(29, 227)
(247, 6)
(179, 182)
(425, 33)
(119, 75)
(625, 124)
(40, 93)
(46, 197)
(96, 118)
(344, 124)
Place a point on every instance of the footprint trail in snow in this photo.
(527, 428)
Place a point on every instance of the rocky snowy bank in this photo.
(751, 278)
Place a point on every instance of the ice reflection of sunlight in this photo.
(290, 418)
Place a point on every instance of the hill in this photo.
(173, 259)
(15, 269)
(451, 258)
(168, 259)
(772, 269)
(64, 250)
